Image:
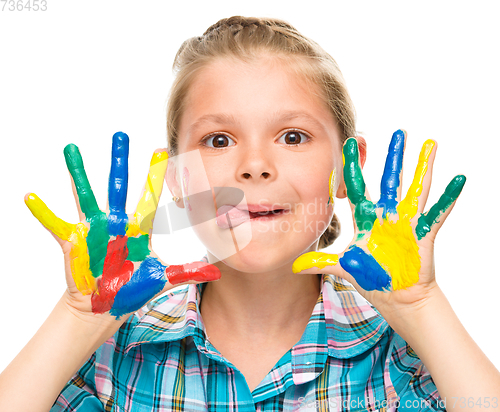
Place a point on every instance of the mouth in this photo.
(270, 213)
(229, 216)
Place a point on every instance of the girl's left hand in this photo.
(390, 260)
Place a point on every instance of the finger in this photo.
(316, 260)
(85, 197)
(152, 277)
(390, 186)
(435, 217)
(426, 183)
(146, 208)
(311, 263)
(408, 207)
(356, 266)
(60, 228)
(64, 231)
(118, 183)
(331, 187)
(364, 209)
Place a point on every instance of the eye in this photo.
(218, 141)
(293, 137)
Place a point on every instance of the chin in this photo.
(258, 258)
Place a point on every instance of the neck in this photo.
(259, 306)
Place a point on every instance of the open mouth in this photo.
(270, 213)
(230, 216)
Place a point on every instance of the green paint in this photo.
(138, 248)
(86, 197)
(98, 236)
(364, 212)
(97, 242)
(451, 193)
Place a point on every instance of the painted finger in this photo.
(426, 184)
(311, 263)
(435, 217)
(316, 260)
(75, 234)
(408, 207)
(390, 186)
(364, 209)
(331, 187)
(152, 277)
(46, 217)
(356, 266)
(118, 183)
(146, 208)
(85, 197)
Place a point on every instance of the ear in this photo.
(172, 180)
(342, 191)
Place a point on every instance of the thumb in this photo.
(321, 263)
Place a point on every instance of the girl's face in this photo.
(267, 133)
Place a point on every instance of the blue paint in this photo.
(118, 183)
(365, 269)
(392, 171)
(145, 283)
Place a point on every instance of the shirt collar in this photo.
(343, 323)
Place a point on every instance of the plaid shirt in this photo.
(348, 359)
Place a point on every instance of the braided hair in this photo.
(246, 38)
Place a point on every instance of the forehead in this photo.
(261, 89)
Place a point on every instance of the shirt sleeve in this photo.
(79, 394)
(411, 380)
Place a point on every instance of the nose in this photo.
(257, 164)
(265, 175)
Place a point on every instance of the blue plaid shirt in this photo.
(348, 359)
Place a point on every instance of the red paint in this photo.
(197, 271)
(116, 272)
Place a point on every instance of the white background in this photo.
(81, 71)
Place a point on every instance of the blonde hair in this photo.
(244, 38)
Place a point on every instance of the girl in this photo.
(267, 112)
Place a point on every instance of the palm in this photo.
(392, 249)
(110, 265)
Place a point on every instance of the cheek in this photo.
(196, 191)
(314, 211)
(311, 180)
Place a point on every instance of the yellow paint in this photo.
(146, 208)
(314, 259)
(75, 234)
(80, 261)
(332, 187)
(393, 244)
(394, 247)
(409, 205)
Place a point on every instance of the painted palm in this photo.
(392, 236)
(110, 255)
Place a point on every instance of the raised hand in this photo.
(110, 266)
(392, 249)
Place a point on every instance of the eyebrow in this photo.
(295, 114)
(217, 118)
(224, 119)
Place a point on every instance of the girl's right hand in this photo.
(111, 270)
